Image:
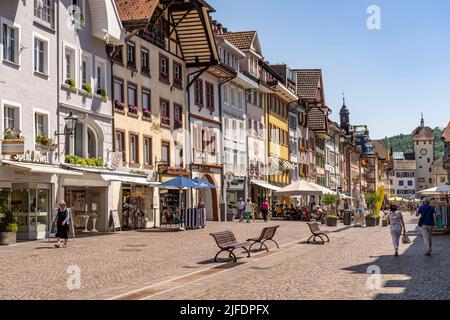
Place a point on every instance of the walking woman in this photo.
(249, 212)
(395, 218)
(62, 224)
(265, 207)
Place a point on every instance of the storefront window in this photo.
(30, 205)
(5, 194)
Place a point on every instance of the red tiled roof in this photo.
(308, 82)
(243, 40)
(446, 134)
(136, 10)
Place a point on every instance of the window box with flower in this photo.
(178, 124)
(165, 120)
(132, 109)
(164, 76)
(13, 142)
(102, 93)
(147, 113)
(44, 142)
(178, 83)
(119, 105)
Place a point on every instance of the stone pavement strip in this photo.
(156, 265)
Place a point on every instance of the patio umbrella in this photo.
(436, 190)
(203, 184)
(180, 183)
(303, 188)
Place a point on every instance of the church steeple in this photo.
(422, 122)
(345, 116)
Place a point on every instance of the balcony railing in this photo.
(155, 36)
(249, 75)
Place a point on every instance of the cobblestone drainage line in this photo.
(174, 283)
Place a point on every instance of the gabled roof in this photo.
(136, 10)
(446, 133)
(309, 81)
(318, 119)
(244, 40)
(380, 149)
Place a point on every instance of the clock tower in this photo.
(424, 151)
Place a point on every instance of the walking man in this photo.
(240, 209)
(428, 220)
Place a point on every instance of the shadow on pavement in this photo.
(412, 275)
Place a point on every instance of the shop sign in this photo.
(115, 162)
(162, 168)
(229, 177)
(27, 174)
(152, 176)
(237, 184)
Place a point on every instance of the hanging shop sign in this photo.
(162, 168)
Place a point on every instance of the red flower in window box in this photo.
(132, 109)
(147, 113)
(178, 124)
(119, 105)
(165, 120)
(164, 75)
(178, 81)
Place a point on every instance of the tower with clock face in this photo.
(424, 151)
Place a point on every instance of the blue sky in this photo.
(389, 76)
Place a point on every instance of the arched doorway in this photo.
(210, 196)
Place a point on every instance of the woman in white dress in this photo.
(397, 223)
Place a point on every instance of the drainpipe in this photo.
(57, 80)
(223, 207)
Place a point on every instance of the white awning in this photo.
(265, 185)
(128, 179)
(41, 168)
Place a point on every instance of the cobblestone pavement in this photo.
(116, 263)
(112, 265)
(339, 270)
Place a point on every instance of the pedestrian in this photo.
(249, 211)
(62, 218)
(265, 206)
(395, 219)
(428, 220)
(201, 204)
(312, 203)
(240, 209)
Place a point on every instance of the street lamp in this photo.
(69, 128)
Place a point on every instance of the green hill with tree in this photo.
(404, 142)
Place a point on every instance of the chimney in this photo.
(225, 30)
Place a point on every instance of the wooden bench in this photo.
(267, 234)
(317, 233)
(226, 241)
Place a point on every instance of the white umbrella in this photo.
(436, 190)
(303, 188)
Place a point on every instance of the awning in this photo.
(128, 179)
(41, 168)
(287, 165)
(265, 185)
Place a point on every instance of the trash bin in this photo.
(347, 218)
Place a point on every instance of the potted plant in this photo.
(44, 141)
(102, 93)
(372, 219)
(8, 228)
(330, 200)
(71, 83)
(88, 88)
(13, 143)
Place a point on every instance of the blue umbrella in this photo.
(180, 183)
(203, 184)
